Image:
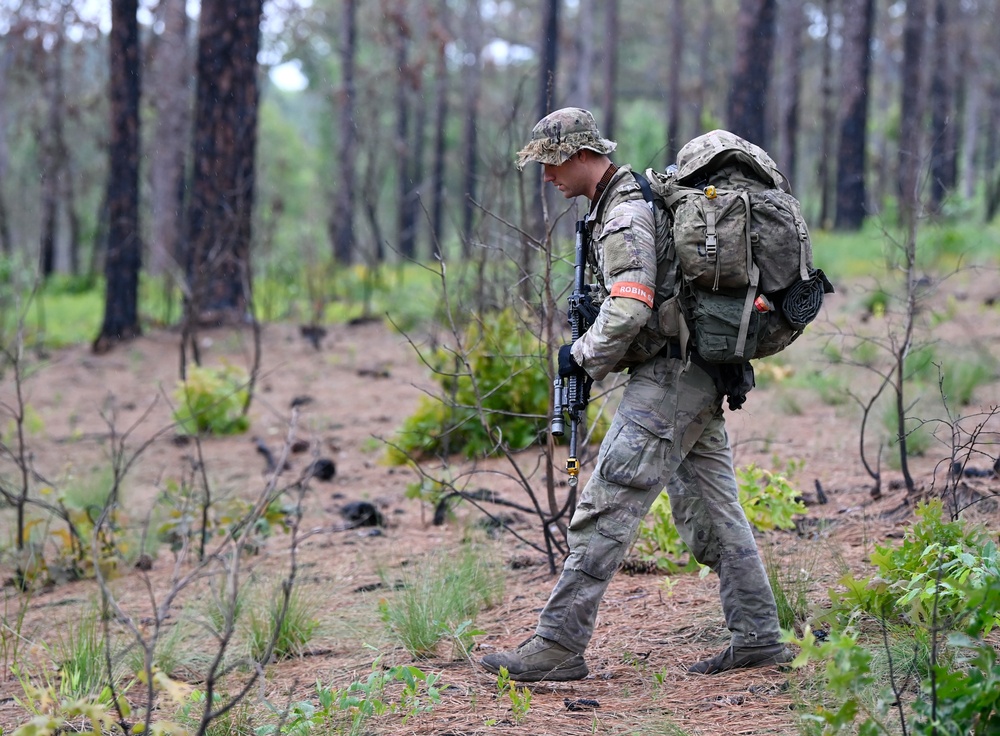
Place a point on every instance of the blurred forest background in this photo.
(200, 157)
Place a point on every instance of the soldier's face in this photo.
(568, 177)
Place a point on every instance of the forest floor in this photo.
(361, 383)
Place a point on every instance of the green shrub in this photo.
(768, 499)
(502, 370)
(959, 689)
(211, 401)
(660, 541)
(927, 577)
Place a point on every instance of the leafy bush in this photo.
(661, 542)
(211, 401)
(958, 695)
(926, 579)
(768, 499)
(500, 369)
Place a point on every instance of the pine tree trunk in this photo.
(911, 110)
(6, 242)
(792, 50)
(442, 37)
(219, 225)
(746, 110)
(611, 33)
(122, 259)
(943, 128)
(828, 119)
(583, 68)
(859, 19)
(347, 140)
(170, 95)
(472, 35)
(678, 30)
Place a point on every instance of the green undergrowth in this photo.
(493, 389)
(912, 644)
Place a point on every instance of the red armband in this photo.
(632, 290)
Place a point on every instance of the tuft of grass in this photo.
(292, 632)
(80, 655)
(961, 376)
(440, 599)
(790, 587)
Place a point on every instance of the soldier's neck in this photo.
(609, 174)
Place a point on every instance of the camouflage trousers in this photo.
(668, 429)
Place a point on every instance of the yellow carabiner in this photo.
(710, 192)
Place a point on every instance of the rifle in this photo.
(572, 395)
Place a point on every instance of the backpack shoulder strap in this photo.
(647, 190)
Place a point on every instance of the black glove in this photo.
(567, 363)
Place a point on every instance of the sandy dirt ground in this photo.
(354, 391)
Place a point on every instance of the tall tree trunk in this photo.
(705, 71)
(65, 191)
(911, 110)
(859, 20)
(6, 59)
(549, 56)
(793, 19)
(943, 128)
(472, 38)
(400, 28)
(991, 158)
(583, 69)
(828, 120)
(611, 34)
(746, 111)
(219, 212)
(169, 83)
(123, 256)
(972, 100)
(442, 37)
(546, 102)
(678, 31)
(347, 140)
(50, 163)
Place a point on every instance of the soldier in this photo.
(669, 427)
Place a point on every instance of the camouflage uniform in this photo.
(669, 428)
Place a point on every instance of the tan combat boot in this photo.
(538, 659)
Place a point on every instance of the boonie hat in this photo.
(562, 133)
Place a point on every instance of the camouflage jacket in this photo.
(635, 268)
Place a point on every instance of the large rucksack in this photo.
(748, 286)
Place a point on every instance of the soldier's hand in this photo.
(567, 363)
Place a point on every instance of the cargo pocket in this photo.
(634, 459)
(606, 548)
